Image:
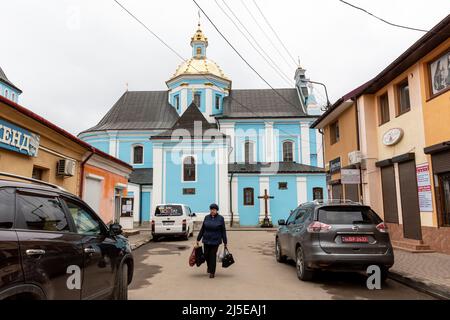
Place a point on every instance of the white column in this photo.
(302, 191)
(304, 136)
(319, 148)
(208, 105)
(228, 129)
(183, 100)
(137, 200)
(269, 147)
(263, 184)
(113, 142)
(157, 196)
(235, 197)
(223, 187)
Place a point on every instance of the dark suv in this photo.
(334, 235)
(53, 246)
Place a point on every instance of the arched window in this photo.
(317, 193)
(288, 154)
(249, 154)
(199, 51)
(189, 169)
(138, 154)
(249, 197)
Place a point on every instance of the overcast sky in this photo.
(73, 58)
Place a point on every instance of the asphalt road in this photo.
(162, 272)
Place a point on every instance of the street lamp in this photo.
(323, 85)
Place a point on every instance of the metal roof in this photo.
(142, 176)
(139, 110)
(5, 79)
(263, 103)
(273, 167)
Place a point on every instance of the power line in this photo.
(381, 19)
(274, 32)
(240, 55)
(283, 76)
(265, 34)
(257, 43)
(205, 76)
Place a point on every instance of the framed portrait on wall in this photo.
(439, 71)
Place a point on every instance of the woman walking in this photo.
(213, 232)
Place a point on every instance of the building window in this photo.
(13, 97)
(138, 155)
(199, 51)
(383, 108)
(288, 154)
(249, 156)
(249, 199)
(282, 185)
(317, 193)
(177, 102)
(188, 191)
(39, 174)
(197, 99)
(189, 169)
(439, 74)
(6, 93)
(334, 132)
(217, 102)
(403, 98)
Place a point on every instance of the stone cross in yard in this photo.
(266, 197)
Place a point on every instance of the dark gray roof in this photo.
(251, 103)
(142, 176)
(188, 119)
(274, 167)
(5, 79)
(139, 110)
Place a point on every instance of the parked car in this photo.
(172, 219)
(334, 235)
(54, 246)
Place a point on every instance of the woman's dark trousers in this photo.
(210, 256)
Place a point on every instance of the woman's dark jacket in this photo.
(213, 230)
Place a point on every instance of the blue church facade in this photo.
(201, 141)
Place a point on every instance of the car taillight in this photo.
(318, 226)
(184, 221)
(184, 225)
(382, 227)
(153, 225)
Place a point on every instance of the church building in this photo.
(200, 141)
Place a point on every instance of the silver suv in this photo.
(334, 235)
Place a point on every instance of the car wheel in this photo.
(278, 253)
(155, 238)
(302, 272)
(384, 274)
(122, 283)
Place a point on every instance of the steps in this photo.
(410, 245)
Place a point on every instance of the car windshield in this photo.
(168, 210)
(348, 215)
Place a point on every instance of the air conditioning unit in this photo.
(65, 168)
(354, 157)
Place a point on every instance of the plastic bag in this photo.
(220, 255)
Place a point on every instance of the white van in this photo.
(172, 219)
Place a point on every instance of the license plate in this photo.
(355, 239)
(168, 223)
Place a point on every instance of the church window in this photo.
(317, 193)
(249, 155)
(249, 197)
(138, 154)
(197, 99)
(288, 154)
(189, 169)
(217, 102)
(6, 93)
(282, 185)
(199, 51)
(177, 102)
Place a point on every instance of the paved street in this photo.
(162, 272)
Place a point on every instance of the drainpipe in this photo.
(140, 205)
(82, 173)
(358, 144)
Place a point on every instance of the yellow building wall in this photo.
(53, 147)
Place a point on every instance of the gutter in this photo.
(231, 200)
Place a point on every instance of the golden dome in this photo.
(199, 66)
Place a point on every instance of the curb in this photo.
(139, 244)
(436, 291)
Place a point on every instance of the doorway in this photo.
(444, 183)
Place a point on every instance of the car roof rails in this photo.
(16, 176)
(335, 201)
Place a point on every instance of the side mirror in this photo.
(115, 229)
(281, 222)
(193, 214)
